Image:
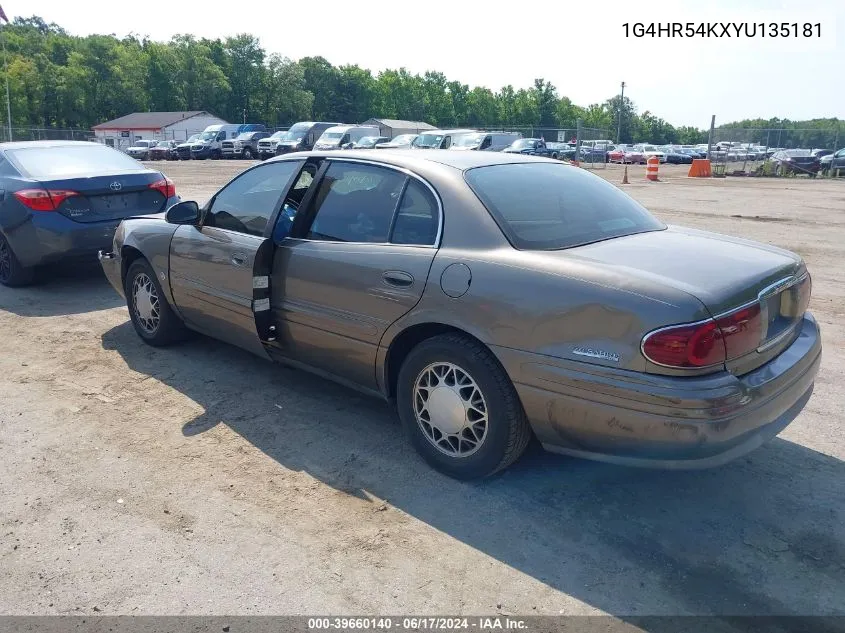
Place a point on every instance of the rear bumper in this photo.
(660, 421)
(46, 238)
(110, 261)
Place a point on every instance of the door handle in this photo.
(398, 278)
(238, 259)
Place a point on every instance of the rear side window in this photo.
(69, 161)
(547, 206)
(418, 219)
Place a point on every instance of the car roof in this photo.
(25, 144)
(408, 158)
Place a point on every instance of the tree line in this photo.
(58, 80)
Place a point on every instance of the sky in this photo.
(581, 47)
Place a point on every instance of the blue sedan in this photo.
(61, 201)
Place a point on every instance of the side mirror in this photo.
(186, 212)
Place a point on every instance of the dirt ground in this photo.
(201, 480)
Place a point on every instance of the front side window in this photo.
(546, 206)
(246, 204)
(356, 203)
(290, 208)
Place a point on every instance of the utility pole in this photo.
(6, 68)
(710, 136)
(619, 123)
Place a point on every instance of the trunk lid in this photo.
(724, 273)
(721, 271)
(103, 198)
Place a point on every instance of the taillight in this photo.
(165, 186)
(706, 343)
(44, 199)
(686, 346)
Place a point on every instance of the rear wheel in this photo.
(460, 409)
(153, 318)
(12, 273)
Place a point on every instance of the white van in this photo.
(439, 139)
(210, 142)
(339, 136)
(485, 141)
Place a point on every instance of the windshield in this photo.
(246, 136)
(797, 153)
(545, 206)
(368, 141)
(404, 139)
(296, 133)
(649, 148)
(523, 143)
(208, 136)
(331, 136)
(428, 140)
(468, 140)
(68, 161)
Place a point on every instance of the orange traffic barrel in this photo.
(651, 168)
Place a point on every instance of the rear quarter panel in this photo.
(520, 301)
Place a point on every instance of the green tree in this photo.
(247, 67)
(321, 78)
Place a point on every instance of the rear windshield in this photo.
(66, 161)
(546, 206)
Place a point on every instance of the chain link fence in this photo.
(45, 134)
(744, 151)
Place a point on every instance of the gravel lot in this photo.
(201, 480)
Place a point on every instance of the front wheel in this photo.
(460, 409)
(153, 318)
(12, 273)
(247, 153)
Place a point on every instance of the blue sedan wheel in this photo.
(11, 271)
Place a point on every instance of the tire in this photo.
(247, 153)
(169, 327)
(12, 273)
(779, 170)
(216, 155)
(554, 155)
(505, 432)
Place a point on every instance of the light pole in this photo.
(619, 123)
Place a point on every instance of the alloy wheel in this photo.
(146, 303)
(450, 409)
